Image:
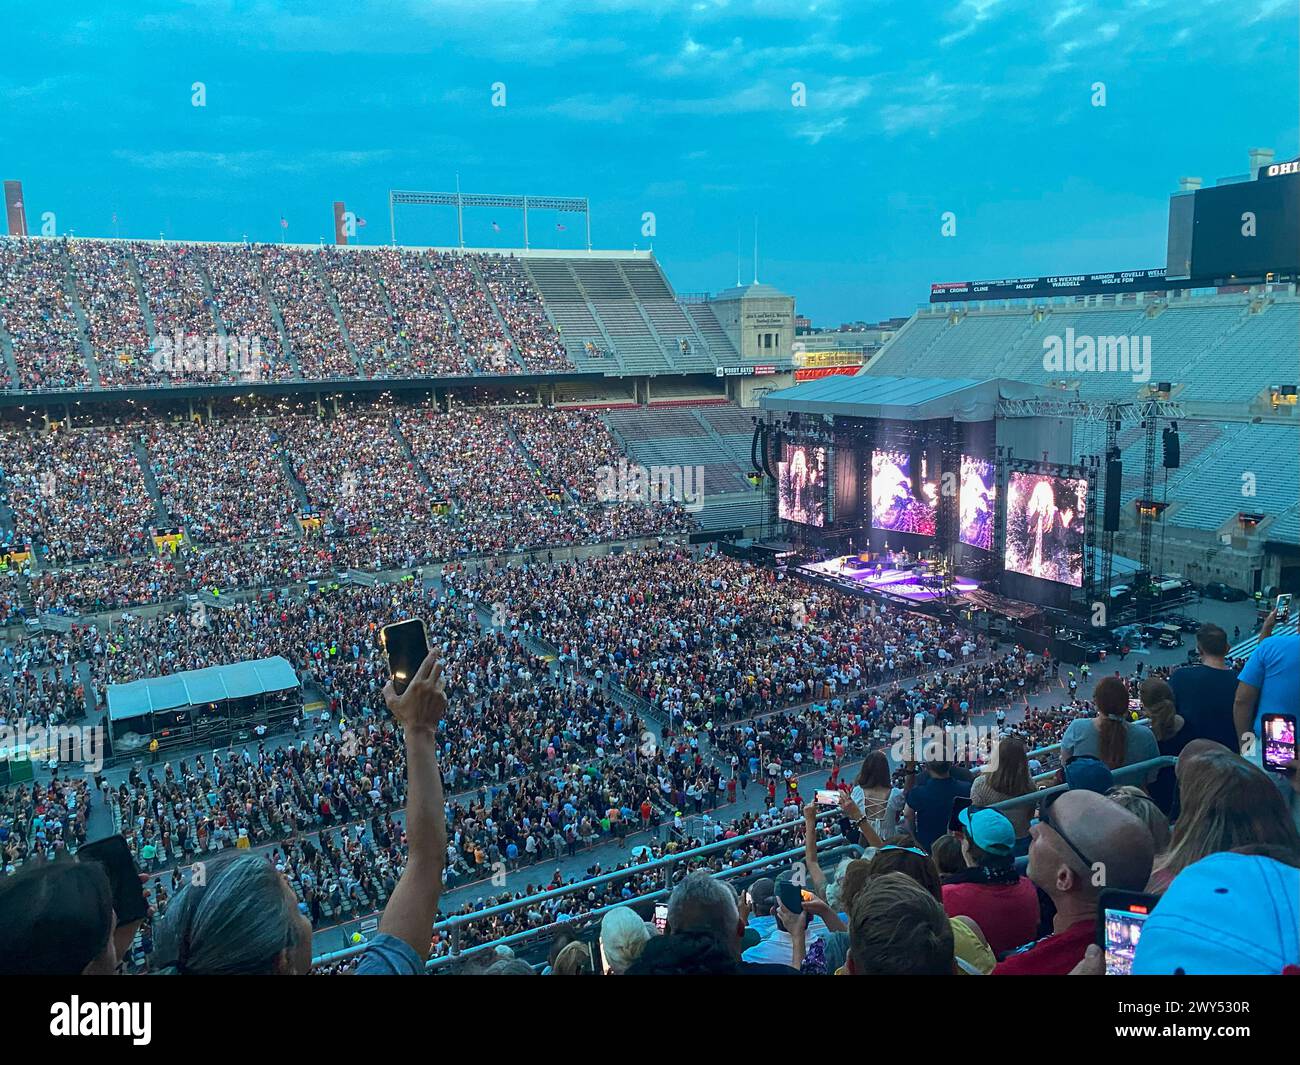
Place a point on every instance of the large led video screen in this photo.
(893, 505)
(978, 495)
(1045, 518)
(801, 495)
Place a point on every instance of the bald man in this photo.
(1083, 843)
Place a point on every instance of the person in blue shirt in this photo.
(1269, 682)
(929, 802)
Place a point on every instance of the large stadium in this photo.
(401, 602)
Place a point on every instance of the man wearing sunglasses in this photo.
(1081, 844)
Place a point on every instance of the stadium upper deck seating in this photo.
(1220, 353)
(78, 313)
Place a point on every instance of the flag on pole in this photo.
(284, 222)
(560, 227)
(361, 223)
(496, 228)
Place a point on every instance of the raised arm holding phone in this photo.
(411, 910)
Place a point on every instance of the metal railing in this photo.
(452, 926)
(1140, 770)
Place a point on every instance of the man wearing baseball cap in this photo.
(989, 891)
(1230, 914)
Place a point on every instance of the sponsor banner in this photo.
(759, 370)
(340, 223)
(1059, 285)
(828, 358)
(814, 372)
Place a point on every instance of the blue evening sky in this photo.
(684, 109)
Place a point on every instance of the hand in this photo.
(743, 905)
(1093, 962)
(1266, 630)
(1292, 770)
(123, 934)
(817, 907)
(810, 812)
(849, 808)
(421, 706)
(794, 923)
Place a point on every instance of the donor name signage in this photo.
(758, 370)
(1059, 285)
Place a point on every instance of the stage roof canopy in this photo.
(197, 686)
(867, 395)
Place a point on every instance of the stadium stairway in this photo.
(83, 324)
(721, 443)
(445, 304)
(142, 298)
(665, 315)
(395, 429)
(163, 518)
(210, 294)
(506, 331)
(528, 457)
(7, 354)
(337, 311)
(706, 321)
(373, 269)
(568, 309)
(278, 319)
(299, 489)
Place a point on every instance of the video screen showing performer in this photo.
(893, 504)
(978, 495)
(1045, 521)
(801, 495)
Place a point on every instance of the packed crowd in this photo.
(223, 481)
(295, 286)
(76, 495)
(178, 301)
(536, 340)
(710, 637)
(569, 447)
(476, 481)
(105, 282)
(38, 316)
(366, 313)
(239, 294)
(473, 314)
(421, 317)
(552, 765)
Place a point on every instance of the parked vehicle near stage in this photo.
(1221, 591)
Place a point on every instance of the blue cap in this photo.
(989, 830)
(1226, 915)
(1088, 774)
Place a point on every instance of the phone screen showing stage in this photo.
(1123, 930)
(1279, 740)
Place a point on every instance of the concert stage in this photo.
(918, 583)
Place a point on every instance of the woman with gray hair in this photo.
(623, 936)
(239, 916)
